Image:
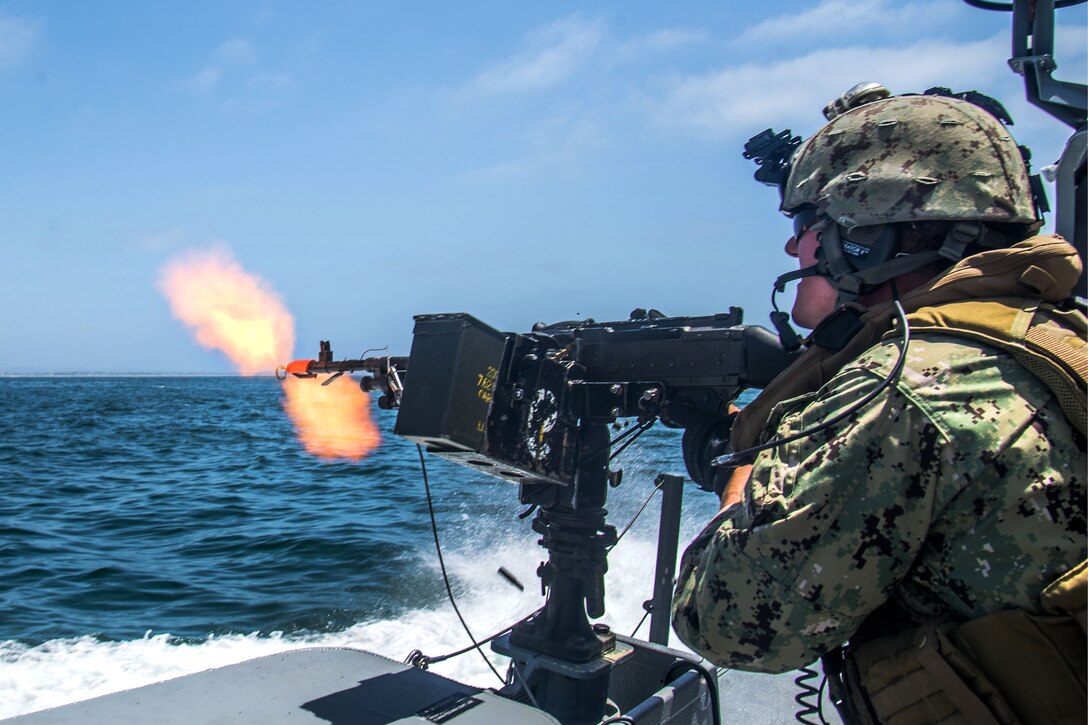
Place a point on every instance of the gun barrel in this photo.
(380, 365)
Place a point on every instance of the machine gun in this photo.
(534, 409)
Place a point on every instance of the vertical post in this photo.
(668, 536)
(558, 650)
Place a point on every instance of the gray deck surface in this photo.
(326, 684)
(750, 698)
(316, 685)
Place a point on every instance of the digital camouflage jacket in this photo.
(959, 491)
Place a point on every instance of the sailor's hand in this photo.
(738, 477)
(734, 487)
(706, 438)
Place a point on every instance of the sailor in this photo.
(911, 499)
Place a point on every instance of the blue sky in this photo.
(519, 161)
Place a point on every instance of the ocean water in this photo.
(156, 526)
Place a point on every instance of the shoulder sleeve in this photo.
(830, 524)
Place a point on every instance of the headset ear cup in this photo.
(864, 249)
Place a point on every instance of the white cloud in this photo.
(658, 41)
(236, 61)
(734, 100)
(557, 144)
(203, 81)
(1070, 51)
(17, 37)
(842, 18)
(672, 38)
(557, 50)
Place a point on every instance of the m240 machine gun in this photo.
(535, 409)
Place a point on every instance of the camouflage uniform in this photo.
(957, 492)
(960, 489)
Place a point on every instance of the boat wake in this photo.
(60, 671)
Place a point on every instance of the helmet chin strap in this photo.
(851, 283)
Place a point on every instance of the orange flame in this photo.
(230, 309)
(240, 314)
(333, 421)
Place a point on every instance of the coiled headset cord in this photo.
(804, 698)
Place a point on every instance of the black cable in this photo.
(442, 565)
(1008, 7)
(640, 622)
(987, 5)
(639, 513)
(621, 436)
(711, 684)
(639, 430)
(730, 459)
(634, 431)
(524, 684)
(804, 697)
(440, 658)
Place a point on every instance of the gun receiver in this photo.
(511, 405)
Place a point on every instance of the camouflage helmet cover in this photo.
(912, 158)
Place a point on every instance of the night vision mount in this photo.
(772, 151)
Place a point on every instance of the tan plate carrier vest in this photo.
(1009, 666)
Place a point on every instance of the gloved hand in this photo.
(704, 441)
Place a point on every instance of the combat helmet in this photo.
(882, 161)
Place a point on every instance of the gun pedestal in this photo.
(573, 692)
(561, 658)
(534, 409)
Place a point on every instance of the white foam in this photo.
(67, 670)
